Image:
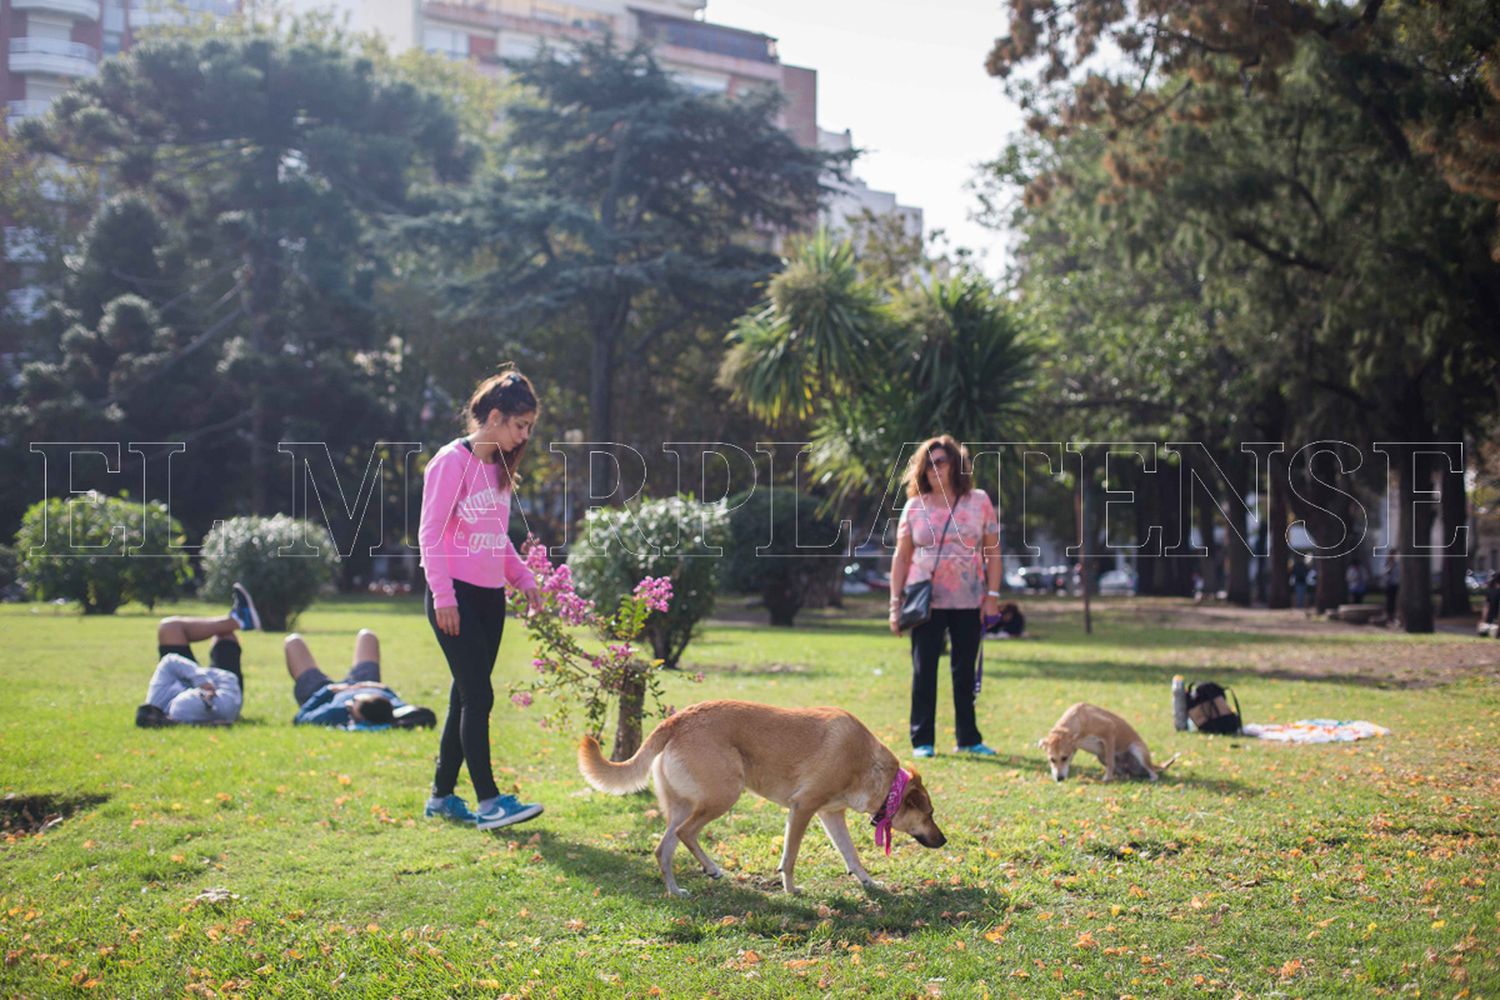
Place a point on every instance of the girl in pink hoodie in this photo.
(469, 560)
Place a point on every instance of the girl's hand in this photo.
(895, 616)
(447, 620)
(533, 600)
(991, 607)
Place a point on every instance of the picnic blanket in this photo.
(1315, 731)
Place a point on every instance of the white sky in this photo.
(908, 80)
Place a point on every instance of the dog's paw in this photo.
(679, 892)
(714, 872)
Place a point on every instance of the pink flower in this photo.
(655, 591)
(541, 665)
(521, 699)
(698, 677)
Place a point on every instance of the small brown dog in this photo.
(815, 761)
(1105, 735)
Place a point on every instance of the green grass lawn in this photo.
(1252, 869)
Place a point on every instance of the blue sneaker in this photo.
(452, 808)
(242, 609)
(506, 811)
(923, 751)
(978, 750)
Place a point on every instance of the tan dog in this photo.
(1105, 735)
(815, 761)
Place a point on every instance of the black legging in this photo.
(471, 659)
(965, 633)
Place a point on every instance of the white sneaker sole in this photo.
(506, 820)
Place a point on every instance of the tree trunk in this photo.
(1454, 588)
(1210, 565)
(1414, 528)
(1278, 587)
(632, 711)
(783, 600)
(609, 322)
(1237, 586)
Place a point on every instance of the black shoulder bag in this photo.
(916, 598)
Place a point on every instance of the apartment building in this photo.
(709, 57)
(51, 44)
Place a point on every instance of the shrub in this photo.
(127, 566)
(247, 550)
(606, 570)
(784, 576)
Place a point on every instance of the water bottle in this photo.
(1179, 704)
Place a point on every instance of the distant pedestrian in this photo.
(1354, 579)
(1489, 622)
(1299, 581)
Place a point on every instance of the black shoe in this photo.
(242, 610)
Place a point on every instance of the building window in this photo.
(446, 41)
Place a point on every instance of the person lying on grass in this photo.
(359, 701)
(181, 691)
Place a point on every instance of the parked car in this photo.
(861, 579)
(1117, 581)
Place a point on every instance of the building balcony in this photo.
(83, 10)
(53, 56)
(16, 110)
(176, 12)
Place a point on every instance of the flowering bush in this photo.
(570, 673)
(675, 537)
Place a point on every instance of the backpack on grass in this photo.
(1209, 711)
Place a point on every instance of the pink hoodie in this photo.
(463, 530)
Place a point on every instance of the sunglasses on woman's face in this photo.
(938, 458)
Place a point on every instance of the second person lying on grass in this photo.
(815, 761)
(360, 701)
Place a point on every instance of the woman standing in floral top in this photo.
(965, 583)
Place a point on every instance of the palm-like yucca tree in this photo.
(874, 372)
(820, 330)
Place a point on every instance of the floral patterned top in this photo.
(959, 581)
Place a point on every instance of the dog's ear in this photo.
(916, 779)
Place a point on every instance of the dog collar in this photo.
(882, 819)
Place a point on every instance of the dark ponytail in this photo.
(513, 395)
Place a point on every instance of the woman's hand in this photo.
(447, 620)
(895, 616)
(991, 606)
(533, 600)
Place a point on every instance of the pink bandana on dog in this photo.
(882, 819)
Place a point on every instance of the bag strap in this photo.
(944, 539)
(1230, 692)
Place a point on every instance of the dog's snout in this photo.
(930, 840)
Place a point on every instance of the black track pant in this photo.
(471, 659)
(965, 633)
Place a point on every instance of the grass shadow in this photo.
(28, 814)
(760, 906)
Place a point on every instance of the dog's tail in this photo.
(1170, 761)
(627, 776)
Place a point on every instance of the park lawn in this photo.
(1252, 869)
